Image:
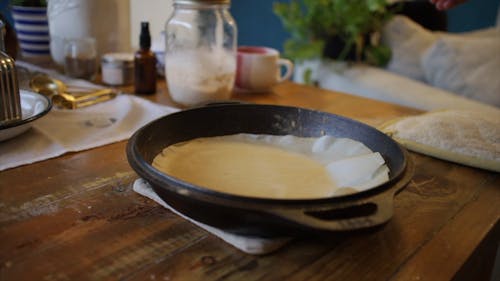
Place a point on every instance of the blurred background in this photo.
(258, 25)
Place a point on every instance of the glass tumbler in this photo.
(80, 58)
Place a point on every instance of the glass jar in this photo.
(80, 58)
(200, 53)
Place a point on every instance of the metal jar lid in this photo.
(118, 59)
(222, 2)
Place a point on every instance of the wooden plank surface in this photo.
(76, 217)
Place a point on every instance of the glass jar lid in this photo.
(118, 59)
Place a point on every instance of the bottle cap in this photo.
(145, 37)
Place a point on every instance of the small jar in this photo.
(117, 69)
(200, 53)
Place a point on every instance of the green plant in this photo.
(313, 24)
(29, 3)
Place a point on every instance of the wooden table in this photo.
(76, 217)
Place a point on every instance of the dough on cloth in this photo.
(463, 136)
(280, 167)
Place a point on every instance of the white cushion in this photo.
(407, 41)
(376, 83)
(468, 66)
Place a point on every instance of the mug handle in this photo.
(289, 69)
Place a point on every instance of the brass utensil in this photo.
(58, 91)
(69, 101)
(42, 82)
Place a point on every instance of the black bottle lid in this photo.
(145, 37)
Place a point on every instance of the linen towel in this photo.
(247, 244)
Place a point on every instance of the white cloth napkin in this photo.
(247, 244)
(62, 131)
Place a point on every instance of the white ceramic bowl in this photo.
(33, 107)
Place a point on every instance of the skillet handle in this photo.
(348, 216)
(351, 215)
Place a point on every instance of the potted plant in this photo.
(342, 30)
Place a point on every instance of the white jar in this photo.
(200, 54)
(117, 69)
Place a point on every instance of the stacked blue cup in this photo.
(32, 30)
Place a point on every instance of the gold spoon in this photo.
(42, 82)
(57, 90)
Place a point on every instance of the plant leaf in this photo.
(313, 22)
(300, 50)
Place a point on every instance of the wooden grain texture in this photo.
(76, 217)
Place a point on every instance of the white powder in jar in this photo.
(201, 75)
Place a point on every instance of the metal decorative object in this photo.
(10, 100)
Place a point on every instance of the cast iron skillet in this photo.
(267, 217)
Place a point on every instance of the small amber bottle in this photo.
(145, 64)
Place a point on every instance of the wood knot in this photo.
(431, 187)
(208, 260)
